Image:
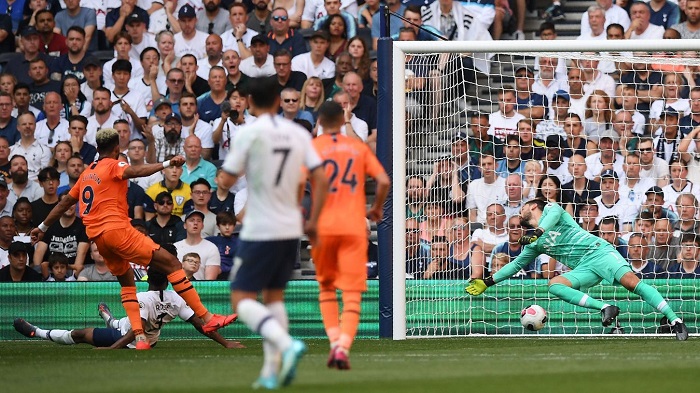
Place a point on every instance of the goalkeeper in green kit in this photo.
(590, 258)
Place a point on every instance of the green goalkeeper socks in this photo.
(650, 295)
(574, 296)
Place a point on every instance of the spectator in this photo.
(643, 224)
(192, 125)
(314, 63)
(554, 125)
(215, 56)
(261, 63)
(166, 48)
(239, 38)
(632, 184)
(511, 247)
(103, 117)
(180, 191)
(576, 142)
(548, 81)
(200, 198)
(359, 53)
(529, 104)
(21, 96)
(504, 121)
(412, 13)
(282, 36)
(66, 236)
(440, 267)
(605, 159)
(189, 40)
(92, 71)
(168, 139)
(395, 7)
(691, 27)
(480, 141)
(58, 266)
(640, 26)
(512, 163)
(312, 95)
(688, 265)
(444, 186)
(75, 15)
(61, 154)
(671, 99)
(580, 188)
(416, 250)
(74, 168)
(664, 13)
(54, 44)
(555, 163)
(416, 194)
(668, 136)
(336, 28)
(7, 43)
(484, 240)
(236, 79)
(317, 12)
(225, 241)
(5, 211)
(231, 120)
(623, 125)
(138, 202)
(48, 179)
(209, 105)
(692, 119)
(259, 18)
(164, 227)
(343, 65)
(514, 192)
(648, 83)
(577, 99)
(122, 47)
(533, 174)
(655, 204)
(687, 207)
(436, 222)
(191, 263)
(550, 190)
(466, 162)
(136, 153)
(638, 257)
(593, 79)
(194, 84)
(123, 129)
(596, 24)
(8, 123)
(129, 105)
(664, 249)
(679, 183)
(210, 259)
(588, 216)
(54, 128)
(285, 77)
(614, 14)
(653, 166)
(459, 242)
(97, 272)
(611, 203)
(609, 231)
(17, 270)
(291, 106)
(22, 213)
(72, 62)
(485, 191)
(115, 21)
(195, 165)
(151, 84)
(74, 102)
(28, 146)
(19, 63)
(363, 106)
(41, 84)
(213, 18)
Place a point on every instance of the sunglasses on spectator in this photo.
(288, 100)
(280, 18)
(163, 203)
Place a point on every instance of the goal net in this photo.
(599, 127)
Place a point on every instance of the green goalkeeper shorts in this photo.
(603, 264)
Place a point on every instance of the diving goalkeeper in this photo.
(590, 258)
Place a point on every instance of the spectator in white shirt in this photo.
(314, 63)
(261, 63)
(35, 153)
(613, 14)
(189, 40)
(641, 27)
(596, 24)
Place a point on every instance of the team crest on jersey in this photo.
(122, 163)
(141, 305)
(179, 199)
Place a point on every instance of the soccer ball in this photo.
(533, 317)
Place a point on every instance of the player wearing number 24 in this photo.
(590, 258)
(101, 191)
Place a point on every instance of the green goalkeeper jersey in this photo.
(563, 239)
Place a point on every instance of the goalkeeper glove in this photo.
(529, 239)
(477, 286)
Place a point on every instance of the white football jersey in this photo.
(157, 311)
(271, 152)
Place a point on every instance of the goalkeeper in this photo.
(590, 258)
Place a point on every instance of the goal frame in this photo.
(391, 146)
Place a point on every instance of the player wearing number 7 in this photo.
(340, 256)
(590, 258)
(101, 193)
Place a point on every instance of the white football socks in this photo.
(259, 319)
(56, 335)
(273, 356)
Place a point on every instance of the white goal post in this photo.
(443, 309)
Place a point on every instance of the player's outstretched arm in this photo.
(381, 192)
(197, 323)
(66, 202)
(149, 169)
(318, 193)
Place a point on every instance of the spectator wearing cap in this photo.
(631, 183)
(168, 139)
(580, 188)
(75, 15)
(640, 26)
(141, 39)
(282, 36)
(180, 191)
(115, 21)
(199, 200)
(189, 40)
(104, 117)
(606, 158)
(547, 81)
(668, 137)
(210, 258)
(161, 109)
(555, 163)
(164, 227)
(512, 163)
(314, 63)
(595, 30)
(612, 203)
(654, 204)
(554, 125)
(528, 103)
(92, 72)
(213, 19)
(17, 270)
(54, 44)
(239, 38)
(122, 46)
(18, 63)
(261, 63)
(41, 84)
(129, 104)
(71, 63)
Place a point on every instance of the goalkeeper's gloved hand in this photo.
(477, 286)
(529, 239)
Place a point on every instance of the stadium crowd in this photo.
(611, 137)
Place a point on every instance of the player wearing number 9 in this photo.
(341, 253)
(590, 258)
(101, 193)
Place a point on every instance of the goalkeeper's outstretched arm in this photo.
(478, 286)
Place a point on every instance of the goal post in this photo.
(439, 308)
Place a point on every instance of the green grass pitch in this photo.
(433, 365)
